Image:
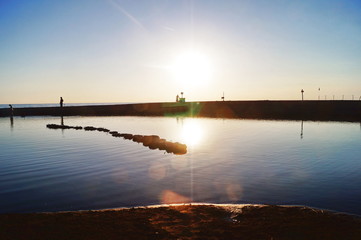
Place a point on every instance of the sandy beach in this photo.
(196, 221)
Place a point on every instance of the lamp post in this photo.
(319, 89)
(302, 93)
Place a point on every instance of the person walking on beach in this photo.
(61, 102)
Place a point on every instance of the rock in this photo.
(56, 126)
(138, 138)
(151, 141)
(127, 136)
(116, 134)
(90, 128)
(176, 148)
(162, 144)
(52, 126)
(103, 130)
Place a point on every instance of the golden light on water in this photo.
(169, 197)
(192, 132)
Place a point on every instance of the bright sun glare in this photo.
(192, 68)
(192, 133)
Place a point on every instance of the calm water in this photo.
(228, 161)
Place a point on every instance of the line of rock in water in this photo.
(150, 141)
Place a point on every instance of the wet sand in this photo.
(196, 221)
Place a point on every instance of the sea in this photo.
(240, 161)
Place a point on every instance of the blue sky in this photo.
(126, 51)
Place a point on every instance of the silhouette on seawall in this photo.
(142, 109)
(291, 110)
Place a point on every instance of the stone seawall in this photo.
(288, 110)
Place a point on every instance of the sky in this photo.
(151, 50)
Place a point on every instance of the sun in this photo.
(192, 68)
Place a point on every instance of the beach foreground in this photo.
(196, 221)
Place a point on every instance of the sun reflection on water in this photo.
(192, 132)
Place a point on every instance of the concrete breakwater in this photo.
(150, 141)
(291, 110)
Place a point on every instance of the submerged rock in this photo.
(127, 136)
(176, 148)
(56, 126)
(138, 138)
(90, 128)
(150, 141)
(52, 126)
(116, 134)
(103, 130)
(162, 144)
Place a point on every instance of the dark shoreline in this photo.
(184, 221)
(279, 110)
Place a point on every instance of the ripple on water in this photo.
(238, 161)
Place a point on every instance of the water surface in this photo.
(228, 161)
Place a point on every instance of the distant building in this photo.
(181, 99)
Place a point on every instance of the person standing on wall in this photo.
(11, 110)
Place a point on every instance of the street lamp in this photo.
(319, 89)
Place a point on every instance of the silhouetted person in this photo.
(61, 102)
(11, 110)
(11, 116)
